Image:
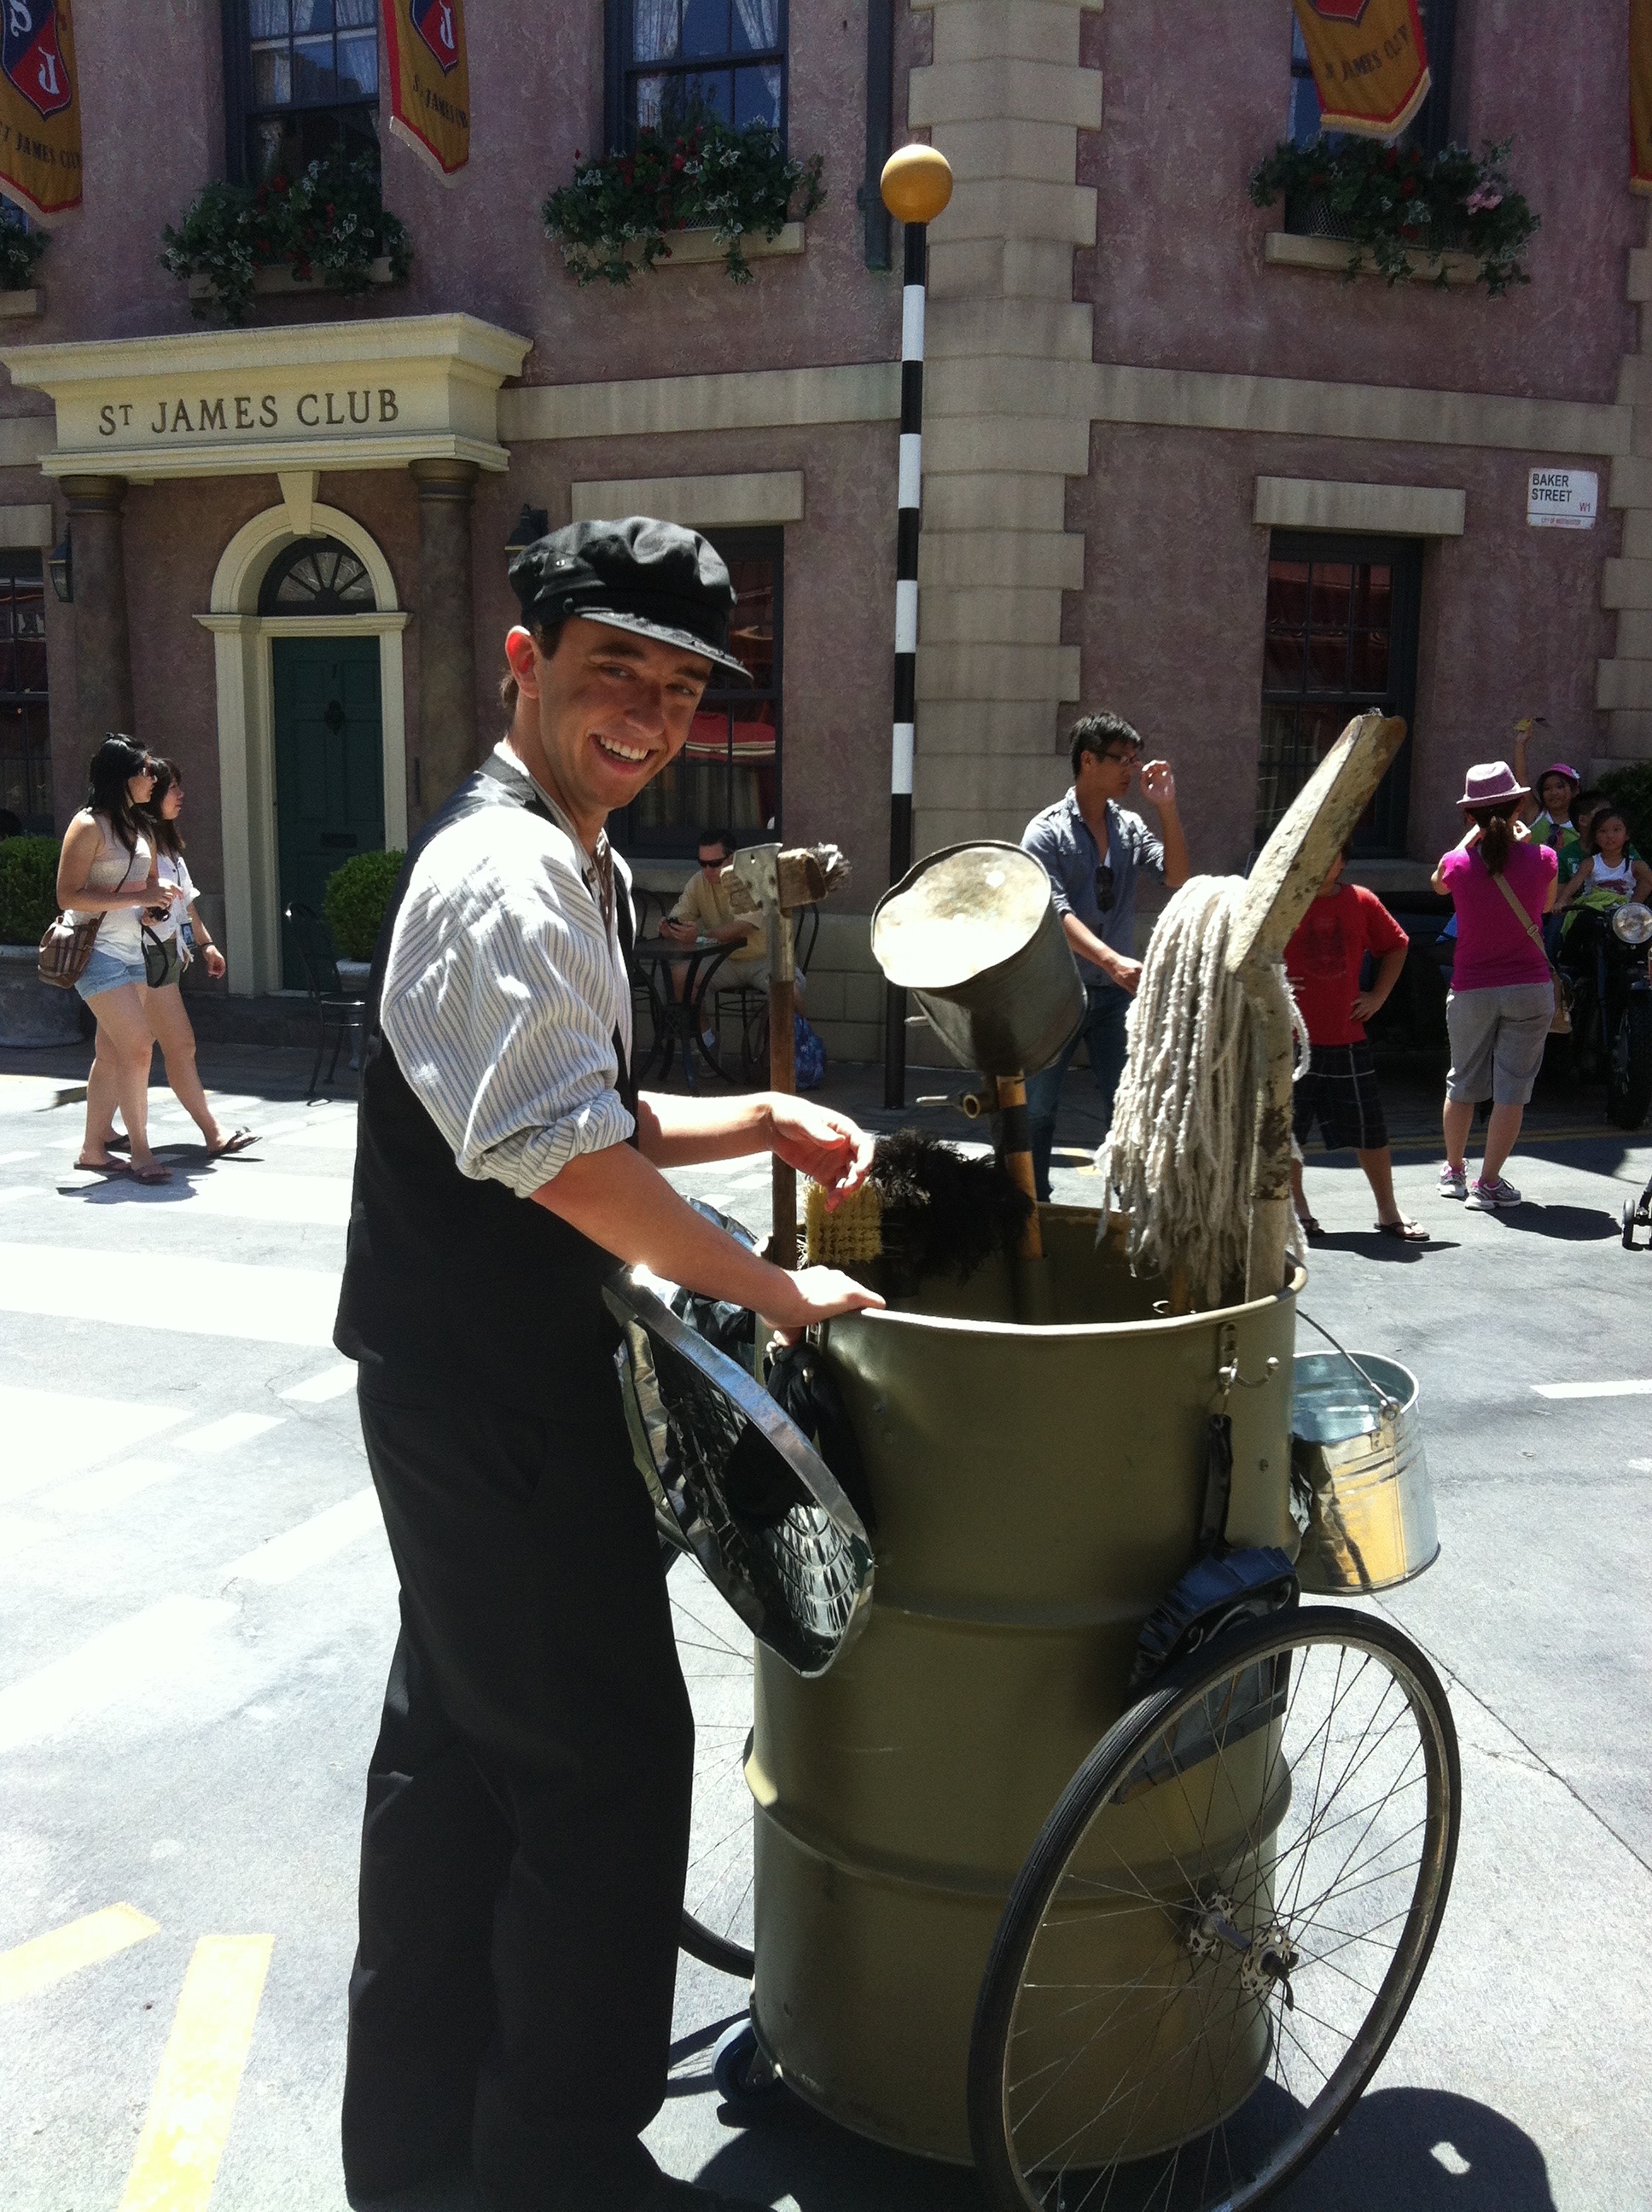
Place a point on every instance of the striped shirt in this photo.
(504, 988)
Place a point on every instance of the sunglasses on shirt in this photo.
(1104, 887)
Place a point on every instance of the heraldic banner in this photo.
(1370, 63)
(1640, 95)
(429, 82)
(39, 111)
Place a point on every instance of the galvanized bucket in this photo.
(1357, 1455)
(972, 933)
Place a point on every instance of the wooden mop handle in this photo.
(1017, 1143)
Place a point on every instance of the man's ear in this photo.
(523, 658)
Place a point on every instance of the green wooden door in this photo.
(330, 793)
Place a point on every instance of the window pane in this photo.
(654, 30)
(1328, 595)
(358, 65)
(758, 97)
(267, 19)
(756, 25)
(650, 94)
(1287, 594)
(1302, 122)
(272, 77)
(313, 75)
(705, 27)
(312, 14)
(30, 674)
(1285, 661)
(348, 12)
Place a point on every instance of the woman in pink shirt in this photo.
(1501, 881)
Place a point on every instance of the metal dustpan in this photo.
(737, 1486)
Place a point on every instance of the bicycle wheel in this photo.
(714, 1650)
(1220, 1926)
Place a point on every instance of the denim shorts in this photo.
(107, 971)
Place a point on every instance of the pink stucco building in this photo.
(1174, 464)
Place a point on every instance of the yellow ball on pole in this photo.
(916, 183)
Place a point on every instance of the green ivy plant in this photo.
(355, 899)
(1390, 202)
(614, 218)
(28, 888)
(327, 223)
(20, 249)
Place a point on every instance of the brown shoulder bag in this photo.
(1560, 1025)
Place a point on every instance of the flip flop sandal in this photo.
(1308, 1226)
(236, 1141)
(103, 1167)
(1409, 1232)
(150, 1175)
(120, 1142)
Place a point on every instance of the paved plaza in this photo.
(199, 1610)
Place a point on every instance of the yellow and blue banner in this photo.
(1369, 60)
(430, 82)
(40, 109)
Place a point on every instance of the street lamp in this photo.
(60, 567)
(916, 184)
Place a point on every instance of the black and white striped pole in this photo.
(915, 185)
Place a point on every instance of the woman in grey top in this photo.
(107, 869)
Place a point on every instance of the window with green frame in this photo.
(24, 706)
(727, 776)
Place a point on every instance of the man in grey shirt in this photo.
(1093, 851)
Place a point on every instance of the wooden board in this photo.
(1313, 830)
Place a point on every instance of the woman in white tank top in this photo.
(108, 868)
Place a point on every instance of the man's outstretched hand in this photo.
(826, 1146)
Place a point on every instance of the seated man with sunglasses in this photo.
(1093, 851)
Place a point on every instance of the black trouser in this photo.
(525, 1839)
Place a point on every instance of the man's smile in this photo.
(626, 755)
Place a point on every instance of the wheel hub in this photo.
(1269, 1962)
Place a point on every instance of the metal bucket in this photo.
(972, 933)
(1357, 1451)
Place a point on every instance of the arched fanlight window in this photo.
(317, 576)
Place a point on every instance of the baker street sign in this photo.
(232, 413)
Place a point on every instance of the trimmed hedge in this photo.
(354, 900)
(28, 888)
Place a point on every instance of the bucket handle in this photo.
(1383, 1397)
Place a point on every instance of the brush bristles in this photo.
(849, 1235)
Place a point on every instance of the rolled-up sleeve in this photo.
(499, 1005)
(1042, 840)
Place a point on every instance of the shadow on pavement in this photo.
(1572, 1224)
(1424, 2151)
(1371, 1246)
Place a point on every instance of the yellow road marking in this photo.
(36, 1966)
(193, 2100)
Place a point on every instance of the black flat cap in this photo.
(653, 578)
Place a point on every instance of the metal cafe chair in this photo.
(338, 1012)
(749, 1005)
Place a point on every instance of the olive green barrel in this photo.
(1037, 1490)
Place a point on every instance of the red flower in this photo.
(330, 211)
(678, 161)
(279, 184)
(1408, 190)
(1391, 160)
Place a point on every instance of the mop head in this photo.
(925, 1209)
(1179, 1152)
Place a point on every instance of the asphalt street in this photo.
(198, 1609)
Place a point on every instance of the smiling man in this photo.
(526, 1832)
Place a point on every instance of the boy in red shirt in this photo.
(1337, 1088)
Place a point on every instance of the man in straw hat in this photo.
(525, 1841)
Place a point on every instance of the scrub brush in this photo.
(925, 1209)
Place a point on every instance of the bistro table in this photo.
(679, 1022)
